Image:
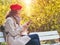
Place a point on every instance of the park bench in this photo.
(48, 35)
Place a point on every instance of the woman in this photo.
(13, 29)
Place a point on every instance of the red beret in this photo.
(15, 7)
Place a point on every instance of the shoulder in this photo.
(9, 19)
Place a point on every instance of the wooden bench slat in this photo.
(45, 33)
(1, 33)
(48, 35)
(2, 40)
(2, 37)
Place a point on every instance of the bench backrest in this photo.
(48, 35)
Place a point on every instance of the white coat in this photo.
(14, 30)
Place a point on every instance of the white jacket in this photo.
(14, 30)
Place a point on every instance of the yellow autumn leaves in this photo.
(45, 14)
(2, 20)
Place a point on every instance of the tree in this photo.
(45, 14)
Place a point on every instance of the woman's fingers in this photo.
(29, 22)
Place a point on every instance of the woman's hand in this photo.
(25, 32)
(29, 22)
(26, 25)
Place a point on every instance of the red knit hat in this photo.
(15, 7)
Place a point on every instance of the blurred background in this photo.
(45, 14)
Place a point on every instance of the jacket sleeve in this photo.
(11, 28)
